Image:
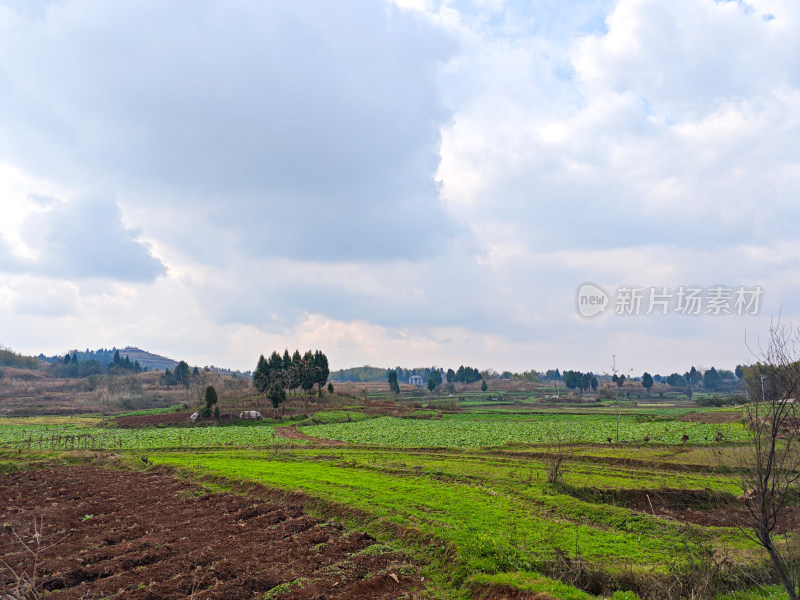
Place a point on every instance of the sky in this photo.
(510, 185)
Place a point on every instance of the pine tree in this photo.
(391, 376)
(182, 374)
(276, 394)
(321, 369)
(287, 360)
(167, 379)
(276, 372)
(261, 376)
(307, 379)
(211, 396)
(571, 379)
(647, 381)
(711, 379)
(296, 374)
(211, 401)
(435, 376)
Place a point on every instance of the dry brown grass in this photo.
(30, 393)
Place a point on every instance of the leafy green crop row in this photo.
(462, 433)
(66, 437)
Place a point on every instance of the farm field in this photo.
(143, 536)
(465, 495)
(69, 436)
(504, 519)
(497, 429)
(71, 433)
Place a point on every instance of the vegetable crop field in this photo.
(645, 505)
(68, 436)
(469, 431)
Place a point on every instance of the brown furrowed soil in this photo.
(150, 536)
(163, 419)
(292, 433)
(703, 509)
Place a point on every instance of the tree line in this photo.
(712, 379)
(365, 373)
(72, 367)
(432, 377)
(275, 375)
(463, 375)
(124, 365)
(180, 376)
(580, 381)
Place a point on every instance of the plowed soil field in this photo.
(160, 420)
(149, 536)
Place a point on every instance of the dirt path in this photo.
(146, 536)
(292, 433)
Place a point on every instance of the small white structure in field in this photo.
(194, 417)
(251, 414)
(415, 380)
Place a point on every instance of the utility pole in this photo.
(617, 408)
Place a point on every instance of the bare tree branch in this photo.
(770, 463)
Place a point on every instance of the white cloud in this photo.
(40, 297)
(85, 239)
(404, 182)
(309, 131)
(21, 195)
(689, 57)
(613, 159)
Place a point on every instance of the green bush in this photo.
(717, 401)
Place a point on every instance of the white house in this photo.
(415, 380)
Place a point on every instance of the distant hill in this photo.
(9, 358)
(105, 356)
(147, 359)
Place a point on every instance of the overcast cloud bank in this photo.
(419, 184)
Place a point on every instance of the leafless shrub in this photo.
(560, 446)
(24, 579)
(770, 464)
